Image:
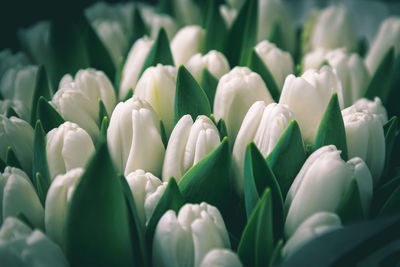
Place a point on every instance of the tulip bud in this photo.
(221, 258)
(308, 96)
(77, 100)
(236, 92)
(155, 21)
(147, 191)
(279, 63)
(8, 60)
(368, 106)
(228, 14)
(16, 105)
(188, 144)
(365, 139)
(273, 13)
(58, 197)
(185, 239)
(18, 135)
(388, 36)
(263, 125)
(187, 42)
(350, 68)
(214, 61)
(67, 147)
(134, 137)
(134, 64)
(318, 224)
(20, 246)
(334, 28)
(321, 184)
(17, 195)
(157, 86)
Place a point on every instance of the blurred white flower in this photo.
(221, 258)
(187, 42)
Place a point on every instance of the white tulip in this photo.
(308, 96)
(17, 134)
(221, 258)
(134, 137)
(147, 191)
(279, 63)
(271, 13)
(236, 92)
(187, 42)
(58, 198)
(17, 195)
(185, 239)
(9, 60)
(316, 225)
(154, 21)
(134, 64)
(334, 28)
(214, 61)
(321, 184)
(263, 125)
(188, 144)
(20, 246)
(77, 100)
(228, 14)
(388, 36)
(19, 107)
(368, 106)
(365, 139)
(350, 68)
(67, 147)
(157, 86)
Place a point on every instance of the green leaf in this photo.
(48, 116)
(215, 27)
(288, 157)
(11, 159)
(362, 47)
(210, 180)
(307, 32)
(42, 187)
(242, 36)
(391, 206)
(129, 94)
(102, 112)
(139, 28)
(257, 177)
(277, 37)
(276, 256)
(41, 90)
(103, 128)
(350, 245)
(39, 164)
(392, 104)
(380, 82)
(118, 77)
(221, 126)
(163, 133)
(137, 235)
(97, 225)
(160, 52)
(257, 65)
(172, 199)
(165, 7)
(20, 216)
(3, 165)
(256, 244)
(331, 129)
(189, 97)
(209, 84)
(11, 113)
(391, 134)
(382, 194)
(350, 207)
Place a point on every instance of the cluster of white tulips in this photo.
(195, 133)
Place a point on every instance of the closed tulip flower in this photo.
(134, 64)
(221, 258)
(368, 106)
(17, 195)
(17, 134)
(308, 96)
(316, 225)
(9, 60)
(184, 239)
(134, 137)
(67, 147)
(279, 63)
(214, 61)
(263, 125)
(236, 92)
(157, 86)
(187, 42)
(154, 21)
(57, 200)
(321, 184)
(188, 144)
(365, 139)
(228, 14)
(147, 191)
(334, 28)
(77, 100)
(388, 36)
(22, 246)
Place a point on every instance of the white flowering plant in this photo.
(200, 133)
